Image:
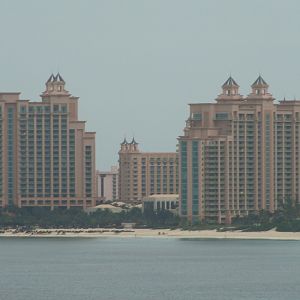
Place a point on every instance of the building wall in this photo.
(108, 184)
(48, 159)
(161, 202)
(145, 173)
(239, 155)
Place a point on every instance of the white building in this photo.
(161, 202)
(108, 184)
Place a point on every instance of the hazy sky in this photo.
(137, 64)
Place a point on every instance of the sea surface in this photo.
(148, 268)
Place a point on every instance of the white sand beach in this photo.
(158, 233)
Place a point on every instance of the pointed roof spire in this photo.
(259, 82)
(51, 78)
(58, 76)
(230, 82)
(133, 142)
(124, 141)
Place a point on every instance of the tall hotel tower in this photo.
(239, 155)
(145, 173)
(47, 158)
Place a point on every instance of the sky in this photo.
(136, 64)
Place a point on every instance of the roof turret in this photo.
(230, 82)
(230, 91)
(260, 90)
(259, 82)
(51, 78)
(58, 78)
(124, 142)
(133, 142)
(55, 85)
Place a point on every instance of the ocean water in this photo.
(148, 268)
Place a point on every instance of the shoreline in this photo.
(153, 233)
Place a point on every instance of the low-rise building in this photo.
(161, 202)
(112, 208)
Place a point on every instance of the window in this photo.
(222, 116)
(288, 117)
(197, 116)
(64, 108)
(55, 108)
(23, 109)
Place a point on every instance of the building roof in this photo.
(56, 78)
(110, 207)
(133, 142)
(59, 78)
(259, 82)
(51, 78)
(230, 82)
(124, 142)
(159, 197)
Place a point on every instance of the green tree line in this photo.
(77, 218)
(286, 218)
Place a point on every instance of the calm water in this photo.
(148, 268)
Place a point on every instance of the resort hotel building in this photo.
(47, 158)
(239, 155)
(145, 173)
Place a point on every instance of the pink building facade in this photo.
(239, 155)
(47, 157)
